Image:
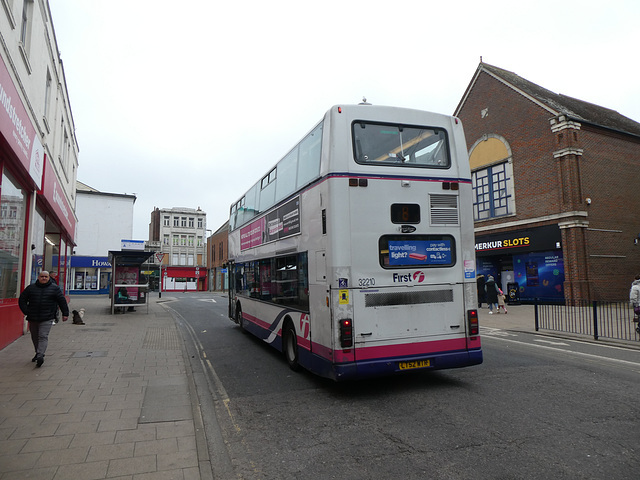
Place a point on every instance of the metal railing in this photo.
(613, 320)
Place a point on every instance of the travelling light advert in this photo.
(420, 252)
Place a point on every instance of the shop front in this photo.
(37, 221)
(527, 264)
(89, 275)
(184, 279)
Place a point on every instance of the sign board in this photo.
(132, 245)
(159, 257)
(19, 132)
(519, 241)
(280, 223)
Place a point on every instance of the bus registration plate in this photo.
(414, 364)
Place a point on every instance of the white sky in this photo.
(186, 104)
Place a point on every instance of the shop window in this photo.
(86, 279)
(12, 204)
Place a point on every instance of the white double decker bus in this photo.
(354, 254)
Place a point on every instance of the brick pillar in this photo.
(573, 227)
(577, 285)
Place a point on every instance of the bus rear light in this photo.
(474, 325)
(353, 182)
(346, 333)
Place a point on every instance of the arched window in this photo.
(492, 178)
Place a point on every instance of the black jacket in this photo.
(492, 291)
(39, 301)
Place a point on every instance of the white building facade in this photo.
(104, 220)
(181, 233)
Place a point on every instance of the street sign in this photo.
(159, 257)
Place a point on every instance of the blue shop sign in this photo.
(90, 262)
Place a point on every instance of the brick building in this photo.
(554, 179)
(218, 251)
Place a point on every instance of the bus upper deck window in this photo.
(400, 145)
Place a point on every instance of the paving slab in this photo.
(112, 400)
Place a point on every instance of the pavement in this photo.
(116, 398)
(518, 318)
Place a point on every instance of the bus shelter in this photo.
(127, 290)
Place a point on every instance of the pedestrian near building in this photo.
(481, 295)
(501, 301)
(634, 298)
(39, 302)
(491, 289)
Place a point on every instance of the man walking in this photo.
(39, 302)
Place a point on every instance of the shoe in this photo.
(35, 357)
(39, 362)
(490, 312)
(505, 312)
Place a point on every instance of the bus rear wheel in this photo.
(240, 318)
(290, 346)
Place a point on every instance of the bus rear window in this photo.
(400, 145)
(411, 251)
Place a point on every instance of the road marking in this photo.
(208, 300)
(570, 352)
(496, 332)
(550, 342)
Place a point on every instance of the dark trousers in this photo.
(40, 336)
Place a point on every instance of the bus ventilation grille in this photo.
(444, 209)
(407, 298)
